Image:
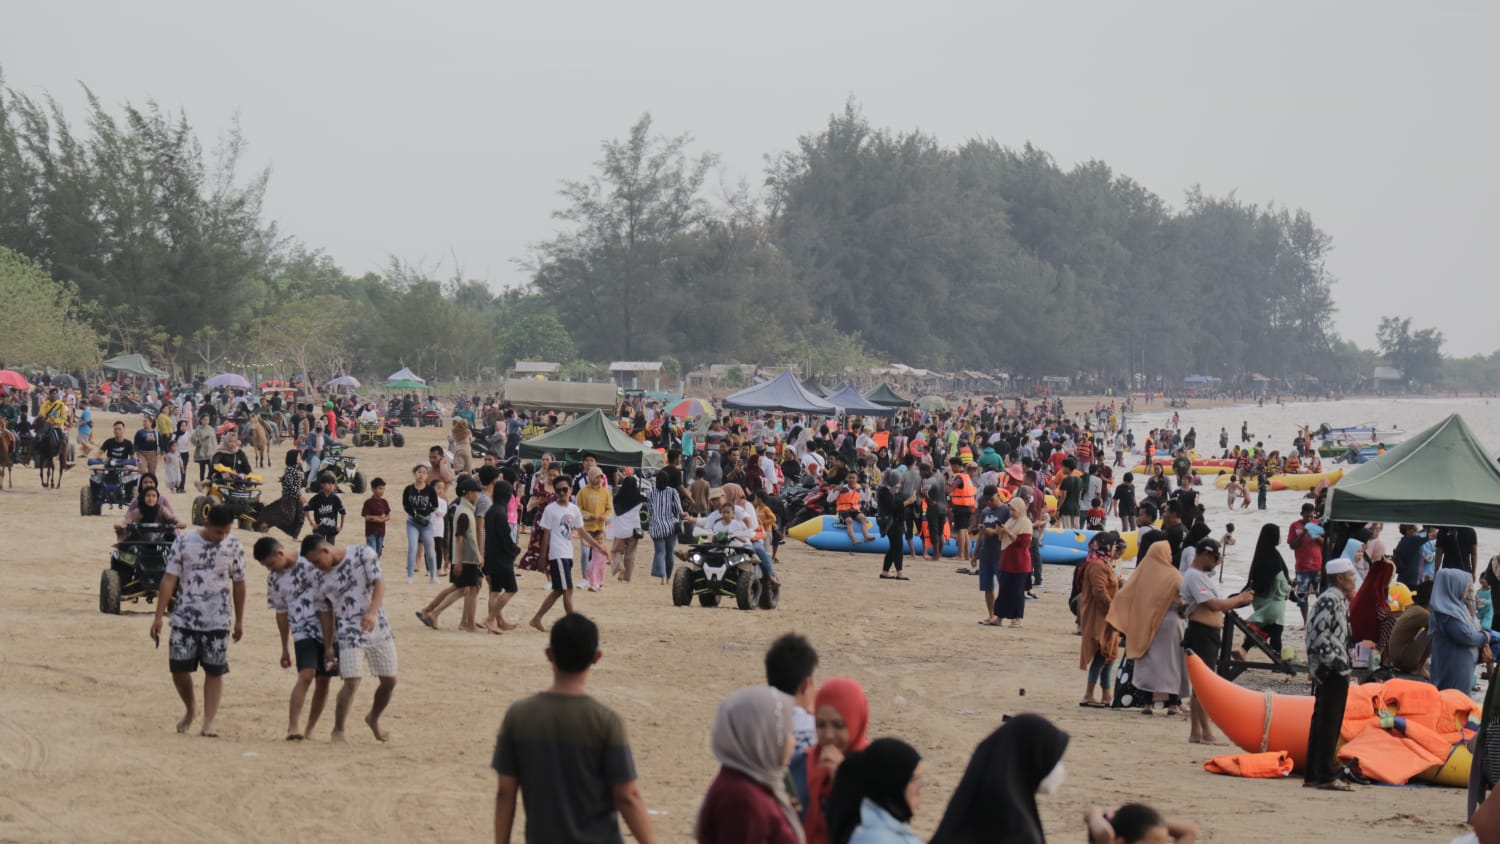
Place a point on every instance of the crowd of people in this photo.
(798, 763)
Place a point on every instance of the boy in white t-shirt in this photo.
(562, 520)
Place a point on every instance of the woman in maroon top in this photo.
(747, 802)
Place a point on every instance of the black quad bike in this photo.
(343, 468)
(721, 567)
(136, 565)
(111, 483)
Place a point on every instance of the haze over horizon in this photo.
(445, 130)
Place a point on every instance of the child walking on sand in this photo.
(376, 511)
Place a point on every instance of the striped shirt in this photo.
(666, 512)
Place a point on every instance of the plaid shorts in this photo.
(382, 659)
(187, 649)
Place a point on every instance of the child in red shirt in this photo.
(376, 512)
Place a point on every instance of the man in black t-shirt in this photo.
(116, 449)
(325, 512)
(231, 457)
(1457, 548)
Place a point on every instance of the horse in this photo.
(50, 453)
(9, 443)
(260, 440)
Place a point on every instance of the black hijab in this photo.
(879, 773)
(1197, 533)
(628, 495)
(995, 802)
(151, 514)
(1267, 561)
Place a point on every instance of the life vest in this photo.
(848, 500)
(963, 496)
(1270, 765)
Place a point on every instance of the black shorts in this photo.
(961, 517)
(561, 574)
(464, 576)
(187, 649)
(851, 515)
(310, 654)
(1203, 641)
(502, 577)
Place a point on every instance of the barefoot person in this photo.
(305, 620)
(1205, 626)
(500, 552)
(353, 586)
(562, 521)
(567, 754)
(205, 571)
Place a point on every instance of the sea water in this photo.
(1276, 426)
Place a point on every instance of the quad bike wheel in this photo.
(747, 591)
(682, 587)
(385, 440)
(357, 483)
(770, 596)
(85, 501)
(709, 599)
(397, 439)
(109, 592)
(201, 506)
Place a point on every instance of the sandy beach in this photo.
(88, 751)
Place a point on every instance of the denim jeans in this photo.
(378, 543)
(765, 558)
(423, 535)
(661, 557)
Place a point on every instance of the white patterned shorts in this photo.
(187, 649)
(382, 659)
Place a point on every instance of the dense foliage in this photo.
(865, 245)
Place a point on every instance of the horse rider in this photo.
(55, 412)
(270, 417)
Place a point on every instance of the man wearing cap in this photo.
(1328, 666)
(1205, 628)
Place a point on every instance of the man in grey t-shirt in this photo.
(567, 756)
(911, 501)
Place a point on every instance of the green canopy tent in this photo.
(595, 434)
(1442, 476)
(887, 397)
(133, 364)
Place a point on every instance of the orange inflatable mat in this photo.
(1269, 766)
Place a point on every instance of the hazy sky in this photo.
(426, 130)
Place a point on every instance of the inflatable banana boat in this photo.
(1302, 481)
(1399, 730)
(1059, 547)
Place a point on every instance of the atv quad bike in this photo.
(111, 483)
(722, 567)
(136, 565)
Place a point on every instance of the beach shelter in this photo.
(852, 403)
(887, 397)
(781, 394)
(1442, 476)
(133, 364)
(405, 374)
(596, 434)
(814, 388)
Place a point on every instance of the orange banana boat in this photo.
(1429, 733)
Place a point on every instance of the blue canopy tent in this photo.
(852, 403)
(782, 394)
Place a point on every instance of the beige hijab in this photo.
(1018, 526)
(1143, 602)
(750, 736)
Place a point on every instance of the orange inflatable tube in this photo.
(1435, 725)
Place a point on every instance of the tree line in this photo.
(860, 245)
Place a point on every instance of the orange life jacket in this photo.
(1270, 765)
(964, 495)
(848, 500)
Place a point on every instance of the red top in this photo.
(1016, 558)
(1308, 551)
(375, 507)
(739, 810)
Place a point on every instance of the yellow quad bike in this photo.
(240, 492)
(372, 434)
